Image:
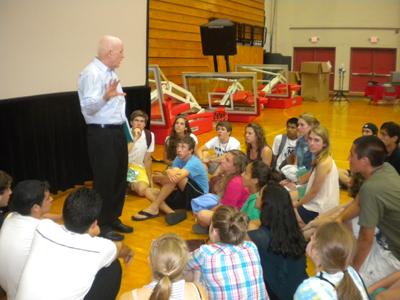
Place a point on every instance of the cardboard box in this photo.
(315, 81)
(294, 77)
(395, 78)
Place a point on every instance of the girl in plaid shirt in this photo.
(229, 268)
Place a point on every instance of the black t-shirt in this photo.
(282, 275)
(394, 159)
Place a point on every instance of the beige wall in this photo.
(339, 24)
(44, 45)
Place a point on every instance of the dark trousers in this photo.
(108, 154)
(106, 284)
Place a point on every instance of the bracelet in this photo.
(211, 159)
(296, 183)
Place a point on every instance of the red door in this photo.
(315, 54)
(370, 64)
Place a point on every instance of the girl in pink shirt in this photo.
(231, 191)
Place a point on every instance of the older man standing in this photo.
(103, 107)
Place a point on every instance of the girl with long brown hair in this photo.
(280, 242)
(255, 177)
(256, 144)
(231, 191)
(180, 129)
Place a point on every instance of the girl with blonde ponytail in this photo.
(332, 249)
(168, 258)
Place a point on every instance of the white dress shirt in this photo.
(91, 89)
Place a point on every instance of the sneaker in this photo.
(197, 228)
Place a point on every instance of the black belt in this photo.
(113, 126)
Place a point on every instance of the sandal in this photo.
(175, 218)
(146, 214)
(197, 228)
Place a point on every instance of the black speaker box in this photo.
(277, 59)
(218, 37)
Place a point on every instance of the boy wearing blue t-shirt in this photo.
(188, 175)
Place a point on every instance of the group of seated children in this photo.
(190, 180)
(227, 268)
(268, 263)
(311, 177)
(262, 208)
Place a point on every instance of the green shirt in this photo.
(380, 205)
(249, 208)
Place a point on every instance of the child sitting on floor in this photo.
(231, 191)
(221, 144)
(168, 257)
(332, 249)
(228, 268)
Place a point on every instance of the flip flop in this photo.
(175, 218)
(146, 214)
(197, 228)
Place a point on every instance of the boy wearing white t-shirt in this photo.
(31, 202)
(139, 153)
(284, 144)
(221, 144)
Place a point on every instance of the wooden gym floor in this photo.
(344, 122)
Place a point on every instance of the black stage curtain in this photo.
(44, 137)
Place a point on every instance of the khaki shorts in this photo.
(379, 264)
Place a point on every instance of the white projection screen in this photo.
(44, 45)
